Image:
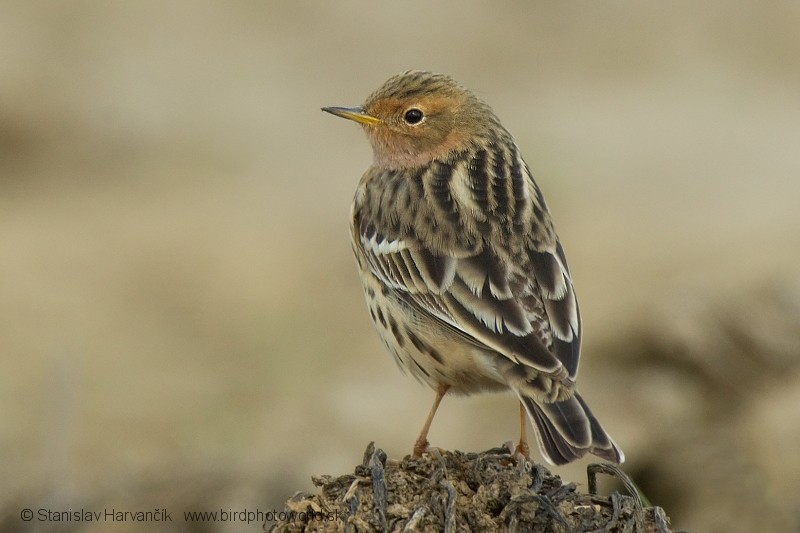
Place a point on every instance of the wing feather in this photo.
(479, 297)
(438, 271)
(523, 307)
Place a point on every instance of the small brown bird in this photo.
(465, 278)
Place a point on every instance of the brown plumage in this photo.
(465, 277)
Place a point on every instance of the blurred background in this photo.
(181, 323)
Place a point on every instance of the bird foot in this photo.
(522, 451)
(420, 447)
(423, 447)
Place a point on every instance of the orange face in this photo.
(411, 126)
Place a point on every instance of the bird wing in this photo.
(527, 312)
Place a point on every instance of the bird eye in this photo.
(413, 116)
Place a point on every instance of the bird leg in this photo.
(421, 446)
(523, 448)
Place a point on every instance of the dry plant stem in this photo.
(495, 491)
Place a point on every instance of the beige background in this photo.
(178, 304)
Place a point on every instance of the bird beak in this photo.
(353, 113)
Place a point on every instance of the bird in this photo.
(465, 278)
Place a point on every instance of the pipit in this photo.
(464, 275)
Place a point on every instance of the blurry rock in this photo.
(718, 423)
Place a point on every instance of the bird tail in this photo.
(567, 430)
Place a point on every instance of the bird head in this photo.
(417, 117)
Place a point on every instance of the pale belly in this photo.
(428, 350)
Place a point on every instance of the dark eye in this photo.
(413, 116)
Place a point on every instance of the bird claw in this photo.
(423, 447)
(420, 447)
(521, 451)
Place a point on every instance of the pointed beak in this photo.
(353, 113)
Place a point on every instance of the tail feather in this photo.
(567, 430)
